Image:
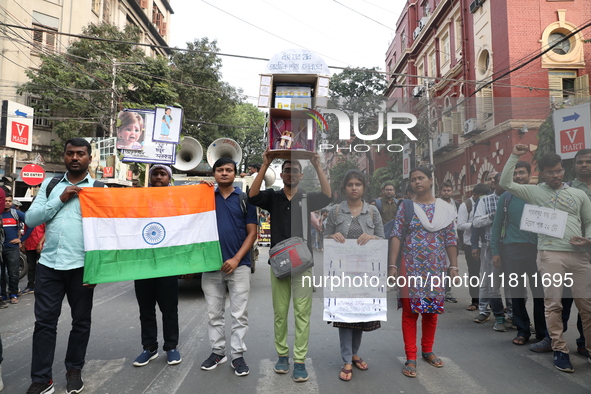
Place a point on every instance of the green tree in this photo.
(76, 85)
(310, 181)
(358, 90)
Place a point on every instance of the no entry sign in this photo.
(32, 174)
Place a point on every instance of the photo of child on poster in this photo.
(168, 125)
(130, 130)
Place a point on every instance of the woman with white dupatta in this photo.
(430, 236)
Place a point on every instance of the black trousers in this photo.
(473, 270)
(163, 291)
(519, 259)
(51, 287)
(32, 257)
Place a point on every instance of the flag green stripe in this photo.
(103, 266)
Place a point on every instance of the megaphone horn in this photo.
(224, 147)
(189, 156)
(269, 177)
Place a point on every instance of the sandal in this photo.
(520, 340)
(409, 371)
(347, 372)
(14, 300)
(472, 307)
(433, 359)
(359, 364)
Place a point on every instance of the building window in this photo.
(96, 6)
(42, 112)
(432, 64)
(445, 49)
(43, 38)
(567, 88)
(158, 20)
(483, 62)
(107, 11)
(561, 45)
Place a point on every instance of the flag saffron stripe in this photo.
(121, 265)
(151, 202)
(138, 233)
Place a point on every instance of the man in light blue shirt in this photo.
(60, 271)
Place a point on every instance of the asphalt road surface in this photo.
(477, 359)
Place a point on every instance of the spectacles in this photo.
(557, 172)
(291, 171)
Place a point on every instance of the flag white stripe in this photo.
(142, 233)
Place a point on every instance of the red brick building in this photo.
(445, 55)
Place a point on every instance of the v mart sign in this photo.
(572, 130)
(17, 126)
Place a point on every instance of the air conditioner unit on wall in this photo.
(470, 125)
(474, 6)
(417, 91)
(441, 141)
(423, 22)
(416, 33)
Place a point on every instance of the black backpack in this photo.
(54, 181)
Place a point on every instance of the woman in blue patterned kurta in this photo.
(429, 236)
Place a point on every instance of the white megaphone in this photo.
(189, 156)
(269, 178)
(224, 147)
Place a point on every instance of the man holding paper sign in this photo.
(561, 261)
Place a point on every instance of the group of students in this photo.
(423, 243)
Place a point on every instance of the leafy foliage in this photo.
(76, 87)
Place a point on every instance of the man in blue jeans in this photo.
(11, 220)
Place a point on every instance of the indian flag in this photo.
(139, 233)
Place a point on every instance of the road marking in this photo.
(171, 377)
(450, 379)
(581, 375)
(98, 372)
(270, 381)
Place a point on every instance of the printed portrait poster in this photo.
(151, 152)
(167, 126)
(131, 128)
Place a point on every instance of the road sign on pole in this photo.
(32, 174)
(572, 130)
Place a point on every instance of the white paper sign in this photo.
(543, 220)
(355, 281)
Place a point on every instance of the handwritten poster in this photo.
(355, 281)
(543, 220)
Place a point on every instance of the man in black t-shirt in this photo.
(285, 207)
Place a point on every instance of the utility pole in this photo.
(427, 96)
(113, 105)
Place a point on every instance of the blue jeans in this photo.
(10, 267)
(490, 288)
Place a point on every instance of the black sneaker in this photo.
(240, 367)
(75, 383)
(3, 304)
(213, 361)
(41, 388)
(562, 362)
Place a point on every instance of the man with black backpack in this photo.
(237, 228)
(11, 256)
(60, 271)
(465, 218)
(517, 250)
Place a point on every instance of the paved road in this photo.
(477, 359)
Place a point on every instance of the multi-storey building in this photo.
(445, 55)
(20, 48)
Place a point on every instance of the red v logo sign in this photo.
(20, 128)
(572, 134)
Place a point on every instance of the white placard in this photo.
(17, 126)
(151, 152)
(543, 220)
(297, 61)
(355, 281)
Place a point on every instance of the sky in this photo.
(357, 36)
